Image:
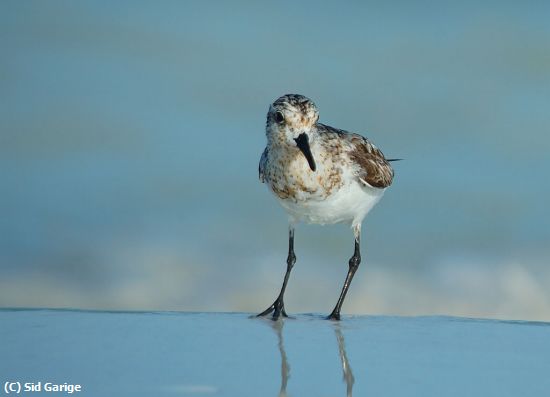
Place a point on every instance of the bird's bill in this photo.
(303, 144)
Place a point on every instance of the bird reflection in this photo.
(346, 368)
(285, 368)
(347, 372)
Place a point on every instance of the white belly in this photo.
(349, 204)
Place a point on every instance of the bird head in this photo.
(291, 121)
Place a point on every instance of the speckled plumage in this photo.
(347, 164)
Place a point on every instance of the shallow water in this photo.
(231, 354)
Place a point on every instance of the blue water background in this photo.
(130, 135)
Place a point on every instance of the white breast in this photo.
(349, 204)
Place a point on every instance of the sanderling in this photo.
(321, 175)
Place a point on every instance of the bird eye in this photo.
(279, 118)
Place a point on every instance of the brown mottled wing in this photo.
(374, 169)
(261, 166)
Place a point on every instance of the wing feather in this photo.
(261, 166)
(372, 167)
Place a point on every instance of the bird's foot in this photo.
(334, 316)
(277, 308)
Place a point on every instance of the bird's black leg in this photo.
(354, 262)
(278, 307)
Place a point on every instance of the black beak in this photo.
(303, 144)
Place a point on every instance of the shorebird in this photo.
(321, 175)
